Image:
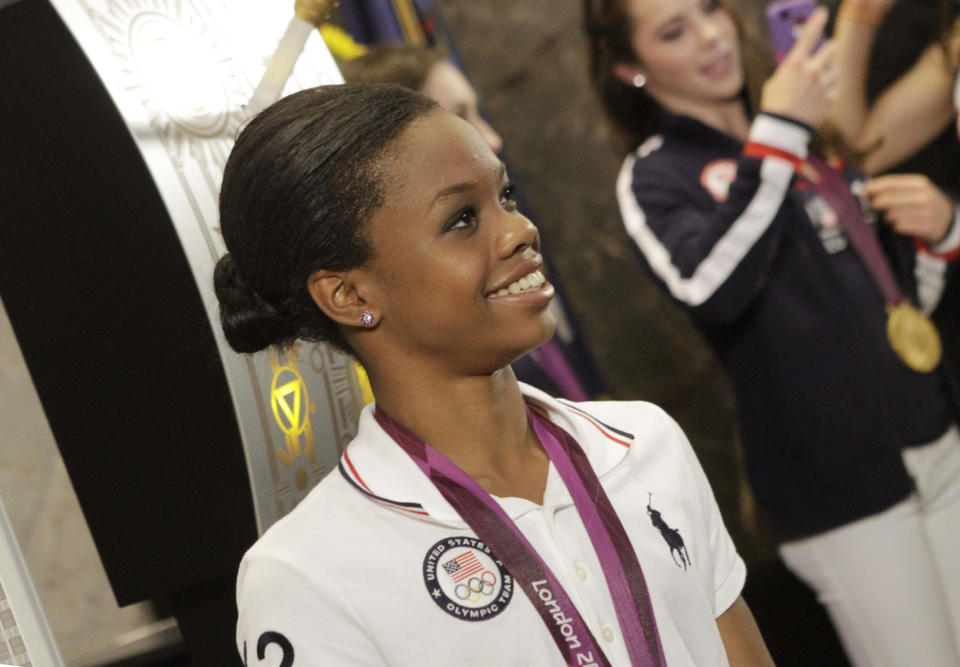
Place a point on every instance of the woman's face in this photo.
(688, 51)
(451, 90)
(452, 255)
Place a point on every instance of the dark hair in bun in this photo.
(297, 190)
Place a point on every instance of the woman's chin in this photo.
(549, 328)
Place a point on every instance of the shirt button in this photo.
(607, 634)
(581, 573)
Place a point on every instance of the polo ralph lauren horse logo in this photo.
(678, 550)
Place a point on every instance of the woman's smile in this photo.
(531, 282)
(526, 279)
(719, 67)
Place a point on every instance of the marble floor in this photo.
(88, 626)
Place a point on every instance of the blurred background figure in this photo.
(427, 71)
(758, 228)
(908, 112)
(897, 102)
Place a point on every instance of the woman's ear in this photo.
(630, 74)
(338, 295)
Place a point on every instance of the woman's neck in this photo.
(478, 422)
(730, 117)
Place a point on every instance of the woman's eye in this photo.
(671, 33)
(464, 219)
(508, 197)
(710, 6)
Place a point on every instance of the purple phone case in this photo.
(786, 19)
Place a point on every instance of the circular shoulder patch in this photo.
(717, 176)
(465, 579)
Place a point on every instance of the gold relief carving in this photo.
(291, 407)
(364, 381)
(343, 389)
(301, 478)
(181, 73)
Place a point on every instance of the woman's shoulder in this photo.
(650, 435)
(655, 153)
(663, 163)
(323, 513)
(638, 425)
(637, 413)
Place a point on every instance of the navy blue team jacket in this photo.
(772, 281)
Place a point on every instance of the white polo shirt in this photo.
(374, 567)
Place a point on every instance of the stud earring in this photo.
(366, 318)
(639, 80)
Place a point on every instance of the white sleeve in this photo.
(931, 268)
(729, 570)
(287, 614)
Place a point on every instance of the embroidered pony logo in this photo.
(678, 550)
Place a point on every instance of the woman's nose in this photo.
(708, 29)
(517, 234)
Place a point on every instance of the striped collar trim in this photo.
(389, 473)
(356, 481)
(611, 433)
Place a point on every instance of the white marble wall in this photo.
(89, 627)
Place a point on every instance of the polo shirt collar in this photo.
(376, 465)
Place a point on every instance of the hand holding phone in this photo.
(786, 19)
(802, 85)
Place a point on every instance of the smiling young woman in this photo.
(473, 520)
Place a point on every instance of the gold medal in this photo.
(913, 337)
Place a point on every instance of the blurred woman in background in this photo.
(427, 71)
(910, 112)
(762, 233)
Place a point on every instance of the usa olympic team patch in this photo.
(717, 176)
(465, 579)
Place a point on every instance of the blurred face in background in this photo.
(688, 51)
(447, 85)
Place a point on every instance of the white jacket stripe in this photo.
(719, 264)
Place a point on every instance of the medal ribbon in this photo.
(835, 189)
(491, 524)
(618, 560)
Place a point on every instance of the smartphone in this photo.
(786, 19)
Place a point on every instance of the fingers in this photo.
(926, 228)
(911, 204)
(891, 182)
(824, 57)
(812, 32)
(899, 191)
(893, 189)
(803, 86)
(823, 61)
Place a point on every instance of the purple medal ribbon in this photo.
(835, 189)
(492, 525)
(625, 580)
(555, 365)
